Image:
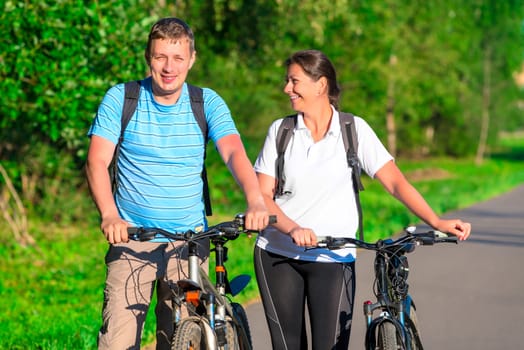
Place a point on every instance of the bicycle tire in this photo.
(243, 331)
(387, 336)
(189, 335)
(231, 338)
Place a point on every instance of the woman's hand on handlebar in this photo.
(115, 229)
(455, 227)
(303, 237)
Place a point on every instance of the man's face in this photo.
(170, 63)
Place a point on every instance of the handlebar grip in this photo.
(240, 218)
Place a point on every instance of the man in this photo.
(159, 183)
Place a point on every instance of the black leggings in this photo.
(286, 284)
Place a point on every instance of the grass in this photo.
(52, 292)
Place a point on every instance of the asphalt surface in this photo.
(468, 296)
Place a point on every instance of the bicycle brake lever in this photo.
(140, 234)
(444, 237)
(440, 234)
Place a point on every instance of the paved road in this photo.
(468, 296)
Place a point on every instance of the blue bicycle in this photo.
(396, 326)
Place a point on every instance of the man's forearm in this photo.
(100, 186)
(242, 170)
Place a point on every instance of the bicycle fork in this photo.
(400, 309)
(199, 292)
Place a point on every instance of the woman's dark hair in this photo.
(169, 28)
(316, 65)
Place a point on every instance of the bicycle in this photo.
(214, 321)
(396, 326)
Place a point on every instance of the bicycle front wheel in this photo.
(188, 335)
(387, 337)
(231, 338)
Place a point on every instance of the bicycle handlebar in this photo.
(228, 229)
(404, 244)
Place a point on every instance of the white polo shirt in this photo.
(318, 192)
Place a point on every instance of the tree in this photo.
(500, 25)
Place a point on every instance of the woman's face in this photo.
(301, 88)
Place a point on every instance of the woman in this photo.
(318, 200)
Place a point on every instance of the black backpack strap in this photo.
(196, 95)
(131, 94)
(349, 136)
(284, 133)
(197, 105)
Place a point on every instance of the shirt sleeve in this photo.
(219, 120)
(107, 120)
(371, 152)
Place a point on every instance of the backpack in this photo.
(132, 92)
(349, 136)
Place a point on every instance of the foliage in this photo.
(54, 67)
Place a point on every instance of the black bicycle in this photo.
(396, 326)
(214, 321)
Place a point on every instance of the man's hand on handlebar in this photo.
(256, 217)
(115, 229)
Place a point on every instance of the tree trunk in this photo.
(13, 211)
(390, 116)
(486, 103)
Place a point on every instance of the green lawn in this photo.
(52, 293)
